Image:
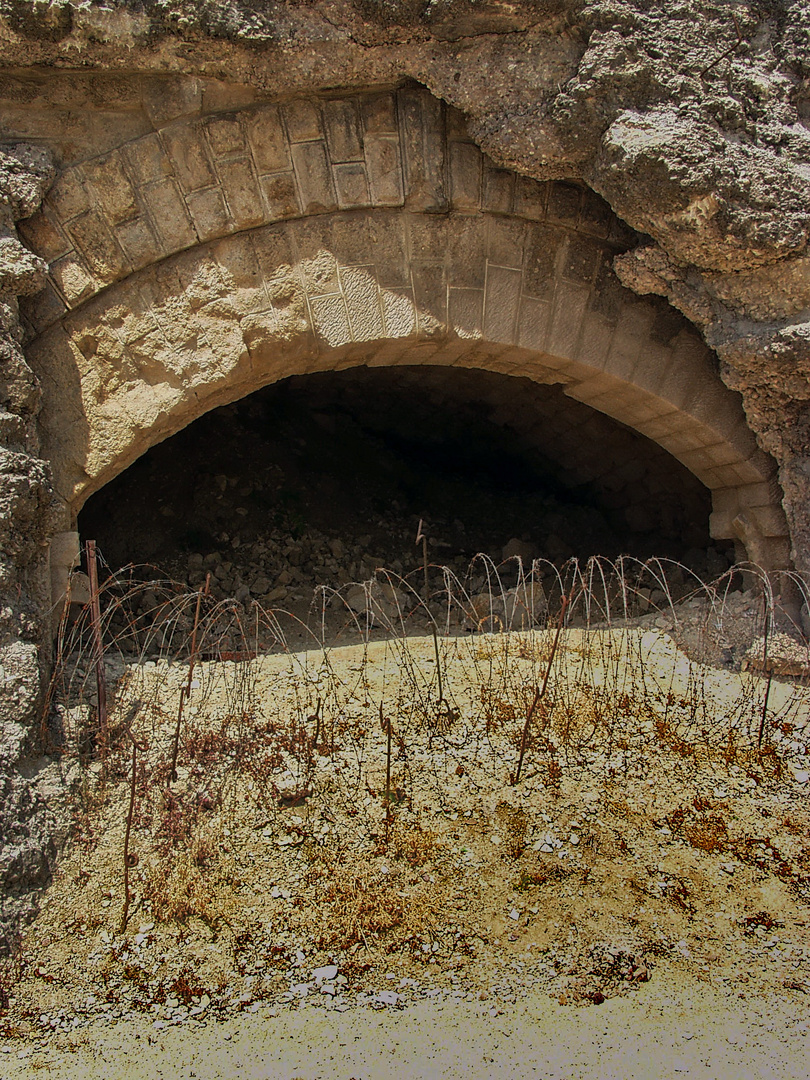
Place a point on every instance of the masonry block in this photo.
(147, 160)
(241, 192)
(641, 406)
(423, 146)
(570, 303)
(595, 341)
(466, 242)
(506, 242)
(379, 112)
(466, 312)
(531, 198)
(582, 260)
(668, 424)
(687, 437)
(303, 121)
(343, 135)
(209, 213)
(362, 296)
(499, 189)
(763, 493)
(166, 99)
(384, 169)
(169, 215)
(427, 238)
(100, 251)
(139, 243)
(465, 175)
(764, 465)
(72, 278)
(43, 309)
(281, 195)
(112, 187)
(714, 404)
(770, 520)
(651, 361)
(44, 236)
(533, 323)
(564, 201)
(501, 304)
(625, 357)
(387, 238)
(330, 320)
(700, 460)
(595, 215)
(399, 314)
(225, 135)
(351, 185)
(598, 386)
(725, 476)
(69, 197)
(609, 296)
(543, 250)
(775, 554)
(319, 272)
(314, 177)
(271, 152)
(237, 257)
(430, 294)
(186, 148)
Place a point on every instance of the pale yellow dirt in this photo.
(638, 905)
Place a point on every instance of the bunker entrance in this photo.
(320, 479)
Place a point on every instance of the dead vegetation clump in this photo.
(194, 880)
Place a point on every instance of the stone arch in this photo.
(199, 262)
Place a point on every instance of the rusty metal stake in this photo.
(387, 727)
(186, 690)
(540, 691)
(98, 644)
(767, 666)
(129, 860)
(420, 535)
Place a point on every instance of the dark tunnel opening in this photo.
(320, 479)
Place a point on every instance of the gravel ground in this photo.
(678, 1027)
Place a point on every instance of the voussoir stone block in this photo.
(102, 254)
(225, 135)
(343, 134)
(112, 188)
(314, 177)
(271, 151)
(186, 149)
(169, 215)
(241, 193)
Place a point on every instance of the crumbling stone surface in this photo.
(28, 825)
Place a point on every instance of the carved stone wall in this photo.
(175, 287)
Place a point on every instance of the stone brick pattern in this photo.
(206, 258)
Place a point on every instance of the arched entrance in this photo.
(206, 260)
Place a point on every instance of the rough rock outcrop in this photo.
(27, 823)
